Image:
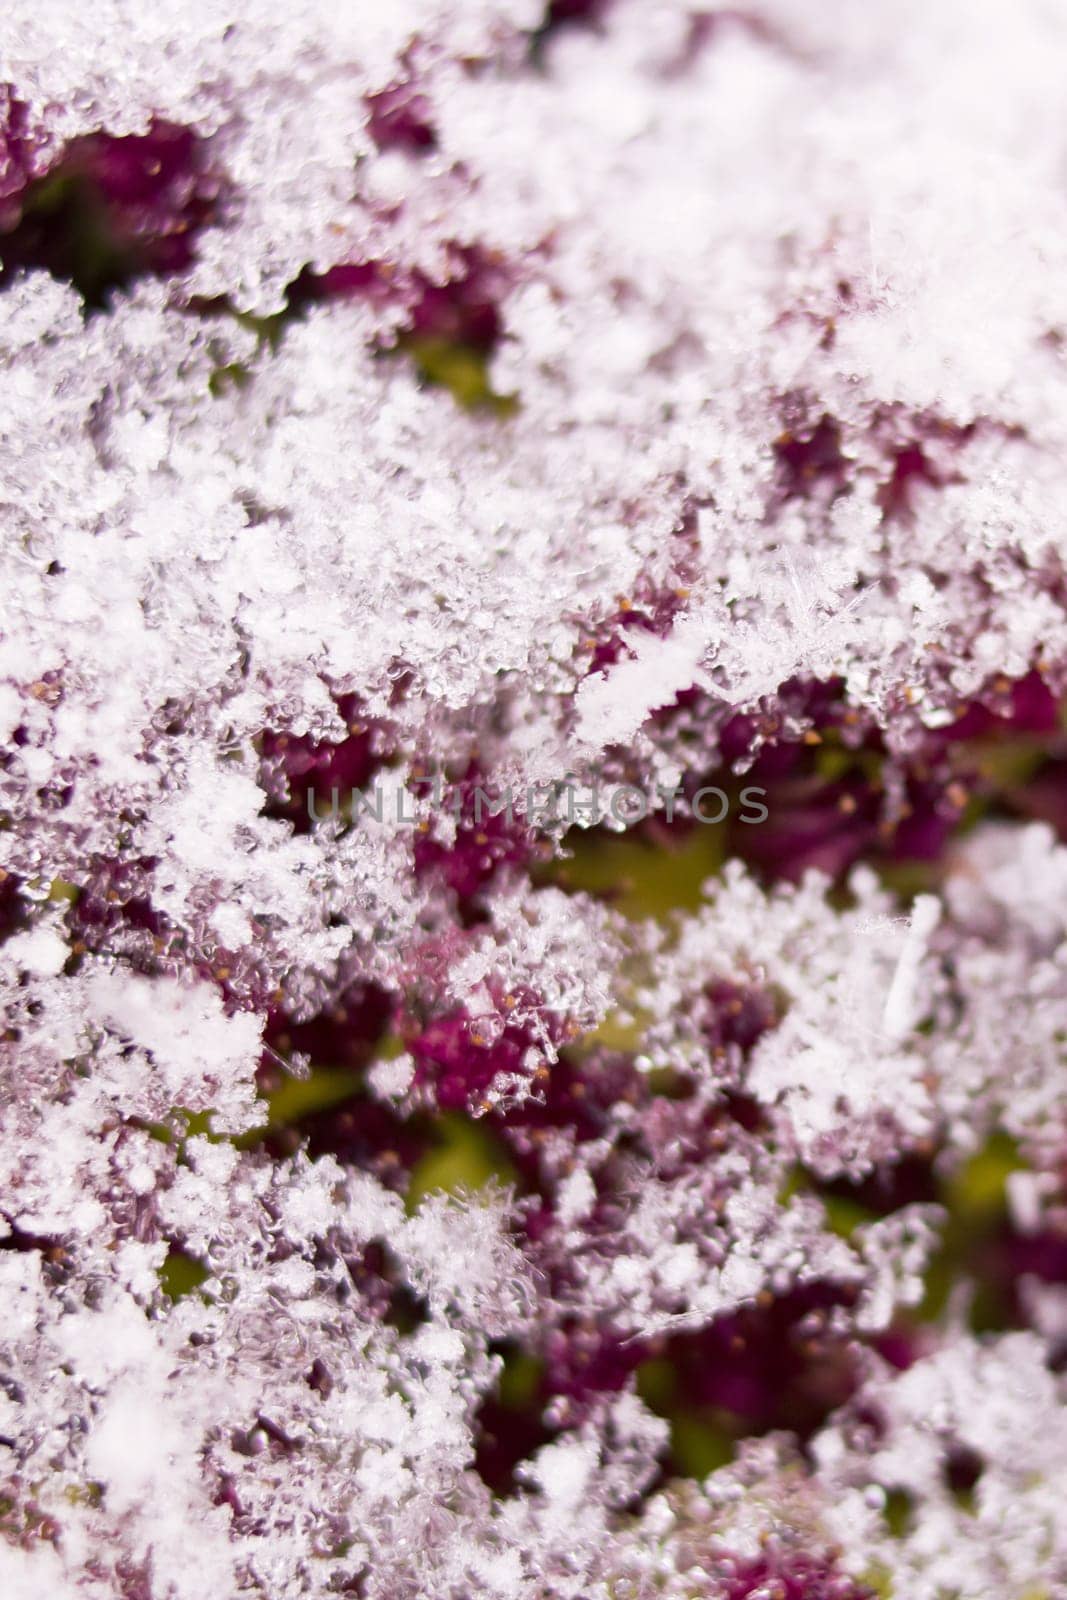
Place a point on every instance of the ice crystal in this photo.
(442, 444)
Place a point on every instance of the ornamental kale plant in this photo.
(533, 800)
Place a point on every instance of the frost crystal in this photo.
(533, 800)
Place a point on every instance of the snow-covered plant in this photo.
(533, 800)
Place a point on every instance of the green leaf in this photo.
(467, 1158)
